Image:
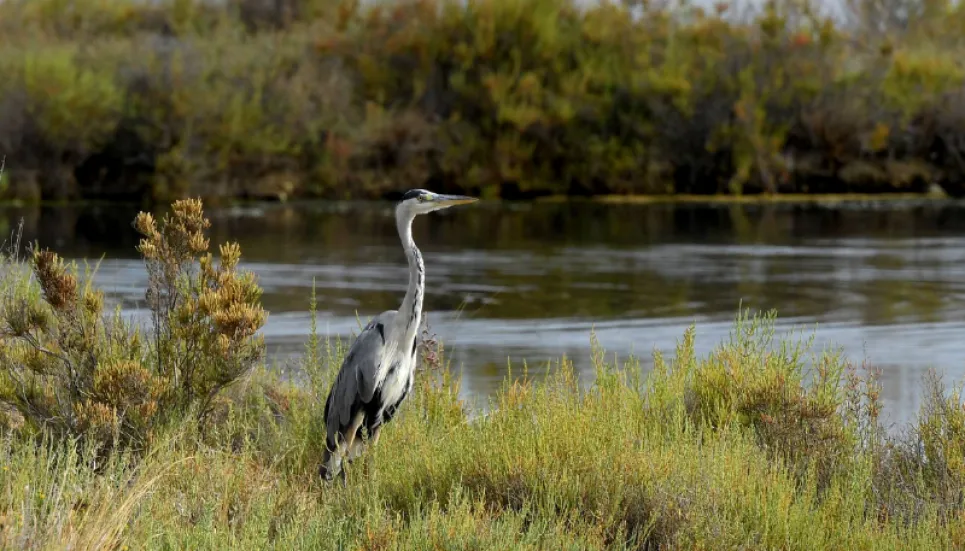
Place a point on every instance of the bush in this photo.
(941, 431)
(923, 471)
(517, 98)
(69, 369)
(759, 384)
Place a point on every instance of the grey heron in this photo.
(376, 375)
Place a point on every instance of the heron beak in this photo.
(451, 200)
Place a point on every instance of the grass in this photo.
(116, 437)
(246, 99)
(730, 451)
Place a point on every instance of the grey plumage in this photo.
(357, 380)
(376, 375)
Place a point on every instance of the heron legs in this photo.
(359, 445)
(353, 430)
(373, 439)
(374, 435)
(351, 445)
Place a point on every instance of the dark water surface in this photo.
(885, 281)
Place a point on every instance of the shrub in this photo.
(275, 99)
(923, 470)
(68, 368)
(761, 384)
(941, 431)
(206, 319)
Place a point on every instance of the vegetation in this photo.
(765, 443)
(245, 98)
(71, 371)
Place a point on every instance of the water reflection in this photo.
(530, 281)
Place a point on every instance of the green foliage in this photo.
(497, 97)
(759, 384)
(927, 468)
(75, 106)
(70, 370)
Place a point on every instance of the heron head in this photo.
(420, 201)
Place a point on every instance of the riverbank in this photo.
(934, 195)
(179, 435)
(517, 99)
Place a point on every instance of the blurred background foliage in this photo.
(274, 99)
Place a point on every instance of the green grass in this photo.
(730, 451)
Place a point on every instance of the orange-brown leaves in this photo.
(178, 240)
(215, 308)
(58, 285)
(69, 369)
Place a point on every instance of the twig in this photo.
(40, 348)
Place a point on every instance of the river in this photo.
(529, 281)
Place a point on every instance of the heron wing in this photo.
(357, 378)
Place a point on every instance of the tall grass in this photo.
(514, 98)
(729, 451)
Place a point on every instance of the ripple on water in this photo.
(530, 281)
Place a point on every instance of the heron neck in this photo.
(411, 310)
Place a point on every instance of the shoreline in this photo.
(610, 199)
(803, 198)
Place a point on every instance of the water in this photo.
(884, 281)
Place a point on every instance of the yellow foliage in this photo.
(879, 137)
(66, 366)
